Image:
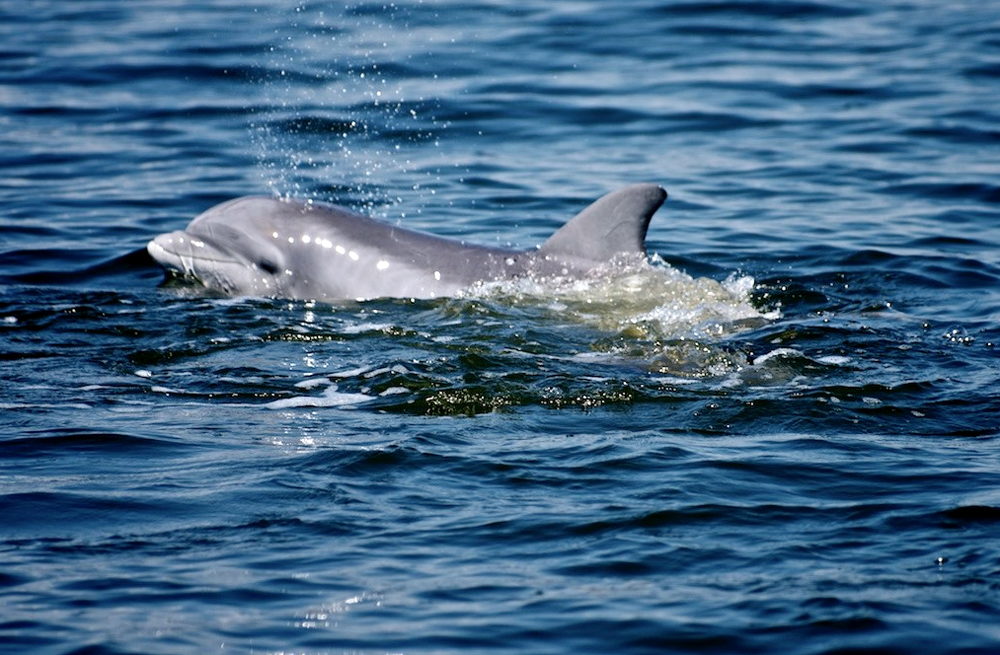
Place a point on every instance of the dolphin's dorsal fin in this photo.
(613, 224)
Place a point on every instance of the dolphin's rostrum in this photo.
(262, 246)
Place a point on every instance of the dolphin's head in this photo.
(230, 247)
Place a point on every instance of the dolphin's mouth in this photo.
(189, 255)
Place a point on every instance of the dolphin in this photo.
(282, 248)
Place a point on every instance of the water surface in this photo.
(782, 437)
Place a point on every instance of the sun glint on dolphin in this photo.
(270, 247)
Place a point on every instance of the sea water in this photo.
(781, 434)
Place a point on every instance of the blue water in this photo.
(513, 472)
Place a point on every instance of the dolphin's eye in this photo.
(267, 266)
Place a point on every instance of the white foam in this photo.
(399, 369)
(350, 373)
(777, 352)
(15, 406)
(330, 398)
(365, 327)
(311, 383)
(394, 391)
(166, 390)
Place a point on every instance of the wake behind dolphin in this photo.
(270, 247)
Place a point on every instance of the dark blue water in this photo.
(786, 440)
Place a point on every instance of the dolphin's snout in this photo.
(183, 252)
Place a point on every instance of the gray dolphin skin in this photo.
(271, 247)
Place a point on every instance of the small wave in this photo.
(960, 134)
(968, 514)
(79, 440)
(967, 191)
(61, 265)
(321, 125)
(768, 10)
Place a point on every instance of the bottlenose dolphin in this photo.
(271, 247)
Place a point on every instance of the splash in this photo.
(648, 314)
(337, 123)
(641, 299)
